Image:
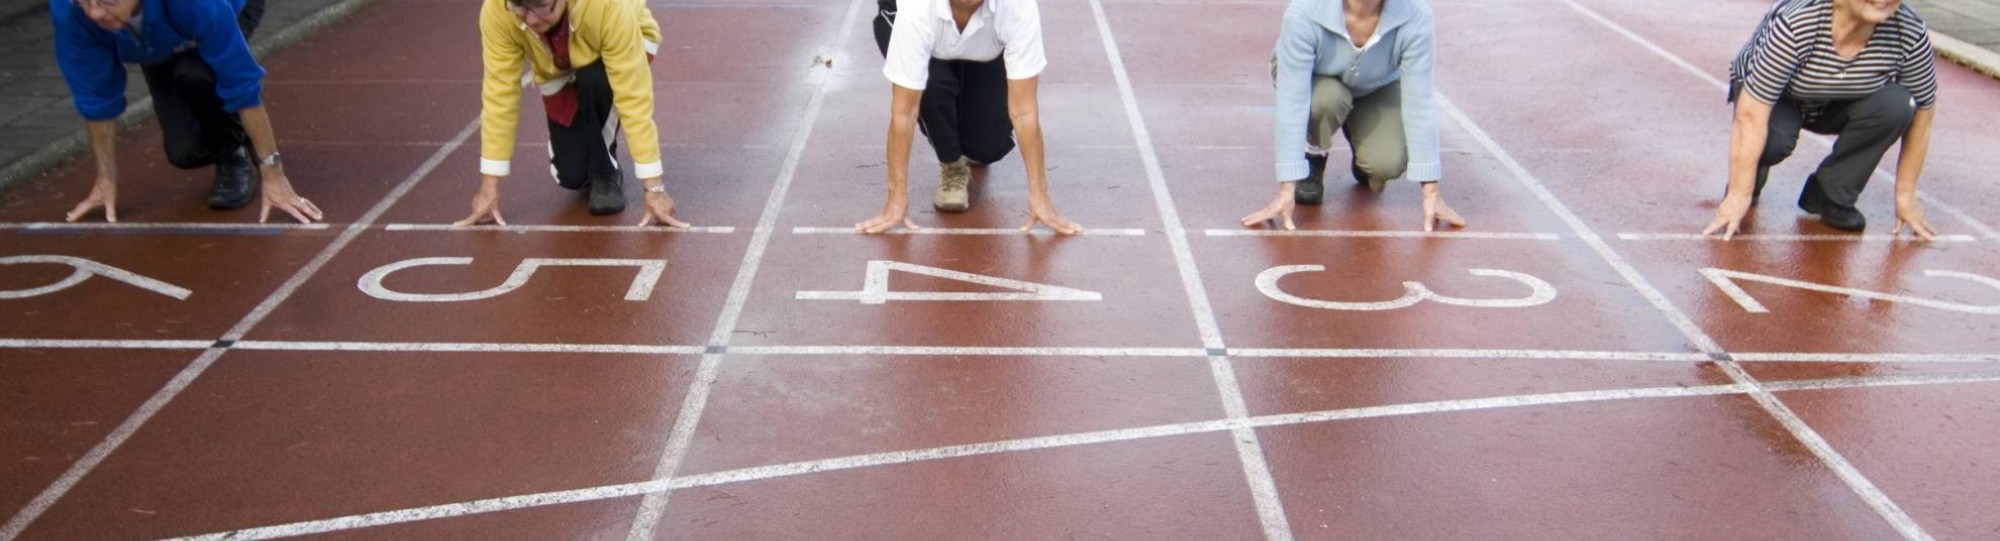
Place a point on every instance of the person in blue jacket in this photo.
(1362, 68)
(207, 93)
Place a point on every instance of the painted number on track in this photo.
(1540, 292)
(641, 289)
(875, 288)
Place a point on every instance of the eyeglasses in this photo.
(87, 4)
(544, 10)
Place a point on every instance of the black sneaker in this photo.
(1313, 188)
(1813, 201)
(607, 194)
(235, 181)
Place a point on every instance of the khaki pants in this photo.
(1373, 125)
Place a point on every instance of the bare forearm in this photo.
(1028, 132)
(257, 123)
(901, 132)
(1746, 144)
(904, 104)
(104, 147)
(1916, 149)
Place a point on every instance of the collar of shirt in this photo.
(979, 19)
(1333, 15)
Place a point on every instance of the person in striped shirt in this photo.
(1860, 70)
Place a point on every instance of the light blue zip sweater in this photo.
(1313, 40)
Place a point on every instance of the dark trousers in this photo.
(1864, 129)
(587, 148)
(197, 130)
(964, 110)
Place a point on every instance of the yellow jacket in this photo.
(620, 32)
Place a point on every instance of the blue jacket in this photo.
(91, 56)
(1313, 40)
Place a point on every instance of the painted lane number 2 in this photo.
(1540, 292)
(1726, 281)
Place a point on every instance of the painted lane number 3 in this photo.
(1414, 293)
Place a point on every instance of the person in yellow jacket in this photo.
(588, 61)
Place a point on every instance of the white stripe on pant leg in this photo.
(610, 133)
(554, 174)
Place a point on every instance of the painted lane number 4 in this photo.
(1414, 293)
(1726, 281)
(875, 288)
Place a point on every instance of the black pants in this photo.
(587, 148)
(1864, 129)
(964, 111)
(196, 128)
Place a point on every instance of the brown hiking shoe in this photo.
(951, 195)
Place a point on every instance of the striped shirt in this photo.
(1792, 56)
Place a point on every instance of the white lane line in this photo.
(993, 231)
(1808, 437)
(1789, 237)
(1486, 235)
(269, 345)
(1880, 176)
(559, 228)
(1078, 352)
(1867, 358)
(43, 343)
(1249, 449)
(696, 399)
(1471, 354)
(793, 469)
(159, 400)
(163, 227)
(946, 351)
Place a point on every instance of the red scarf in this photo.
(562, 105)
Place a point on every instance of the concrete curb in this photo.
(33, 165)
(1966, 54)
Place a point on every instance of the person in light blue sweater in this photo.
(207, 92)
(1363, 68)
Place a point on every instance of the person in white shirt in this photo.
(966, 71)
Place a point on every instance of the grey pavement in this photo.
(1965, 31)
(39, 126)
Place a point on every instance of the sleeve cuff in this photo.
(652, 47)
(648, 170)
(498, 168)
(1292, 171)
(903, 81)
(1031, 71)
(1424, 172)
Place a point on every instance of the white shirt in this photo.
(925, 30)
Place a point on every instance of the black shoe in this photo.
(1811, 199)
(607, 195)
(235, 181)
(1311, 190)
(1843, 218)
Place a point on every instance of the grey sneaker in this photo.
(951, 195)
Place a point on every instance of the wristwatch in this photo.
(270, 160)
(662, 188)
